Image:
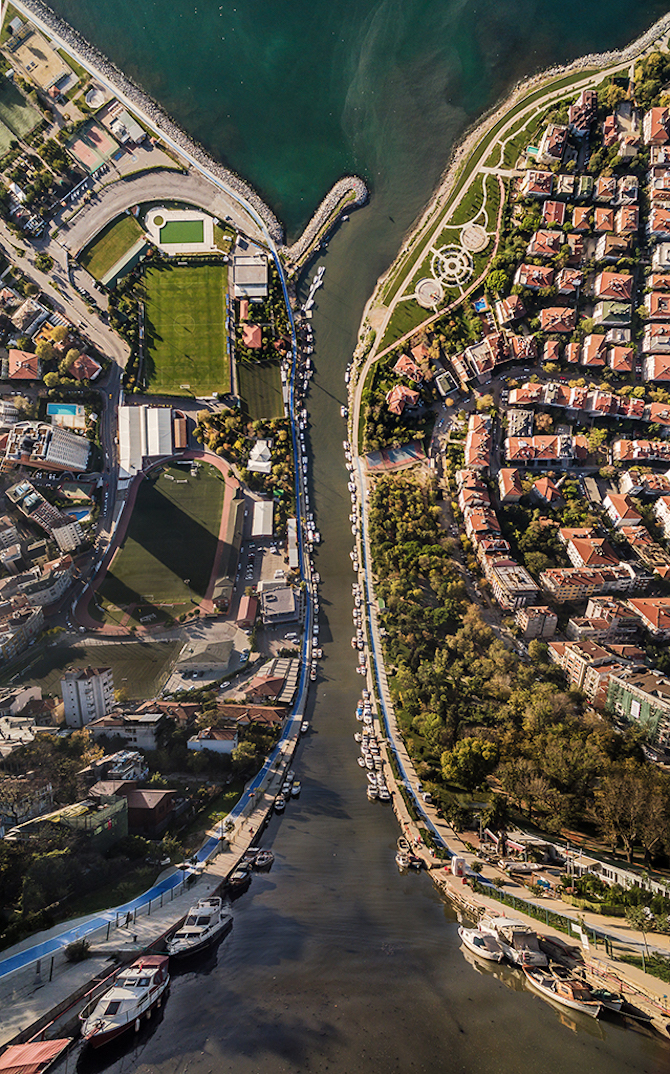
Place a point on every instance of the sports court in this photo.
(92, 146)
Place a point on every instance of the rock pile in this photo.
(334, 197)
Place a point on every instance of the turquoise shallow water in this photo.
(294, 93)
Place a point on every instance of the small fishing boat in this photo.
(569, 992)
(204, 923)
(280, 803)
(373, 793)
(402, 860)
(372, 779)
(136, 992)
(485, 946)
(361, 761)
(265, 858)
(239, 879)
(304, 727)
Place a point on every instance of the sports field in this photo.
(183, 231)
(17, 117)
(164, 564)
(110, 245)
(260, 389)
(185, 330)
(140, 668)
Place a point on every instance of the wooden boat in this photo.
(484, 946)
(136, 992)
(403, 844)
(204, 923)
(264, 859)
(568, 992)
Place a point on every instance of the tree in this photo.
(637, 918)
(44, 262)
(59, 333)
(45, 350)
(52, 380)
(496, 281)
(470, 761)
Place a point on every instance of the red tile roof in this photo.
(23, 365)
(558, 319)
(615, 285)
(399, 396)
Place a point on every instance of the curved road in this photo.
(191, 187)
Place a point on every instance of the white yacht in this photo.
(518, 940)
(137, 990)
(204, 923)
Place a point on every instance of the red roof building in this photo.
(399, 397)
(655, 126)
(568, 281)
(657, 304)
(604, 219)
(534, 276)
(617, 286)
(553, 212)
(594, 349)
(252, 335)
(621, 359)
(545, 243)
(407, 368)
(22, 365)
(85, 368)
(558, 319)
(581, 218)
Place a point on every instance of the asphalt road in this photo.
(110, 201)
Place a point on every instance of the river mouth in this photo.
(336, 962)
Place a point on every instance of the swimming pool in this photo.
(59, 409)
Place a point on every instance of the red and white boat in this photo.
(137, 990)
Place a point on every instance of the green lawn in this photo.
(110, 245)
(260, 389)
(183, 231)
(185, 329)
(17, 117)
(165, 562)
(140, 668)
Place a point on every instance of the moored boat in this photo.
(136, 992)
(204, 923)
(568, 992)
(264, 859)
(518, 940)
(485, 946)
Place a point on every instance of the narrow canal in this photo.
(336, 962)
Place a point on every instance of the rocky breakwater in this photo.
(149, 111)
(347, 193)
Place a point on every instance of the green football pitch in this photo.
(185, 330)
(183, 231)
(164, 564)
